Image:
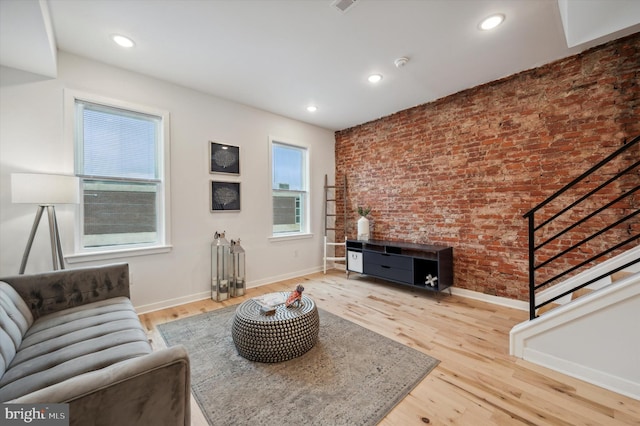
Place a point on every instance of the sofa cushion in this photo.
(77, 340)
(15, 320)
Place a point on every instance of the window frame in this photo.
(163, 149)
(305, 231)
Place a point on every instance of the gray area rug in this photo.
(352, 376)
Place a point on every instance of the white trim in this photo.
(164, 304)
(116, 254)
(307, 184)
(598, 378)
(283, 277)
(299, 274)
(288, 237)
(164, 169)
(496, 300)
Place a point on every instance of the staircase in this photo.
(602, 269)
(584, 279)
(592, 333)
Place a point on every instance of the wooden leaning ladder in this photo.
(330, 216)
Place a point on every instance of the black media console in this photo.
(419, 265)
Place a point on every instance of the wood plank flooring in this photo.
(476, 383)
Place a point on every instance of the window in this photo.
(121, 163)
(289, 189)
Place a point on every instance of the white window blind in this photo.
(119, 143)
(118, 159)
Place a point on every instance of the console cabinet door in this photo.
(354, 261)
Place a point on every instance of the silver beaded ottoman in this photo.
(287, 334)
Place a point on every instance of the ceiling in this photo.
(283, 55)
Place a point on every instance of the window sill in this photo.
(116, 254)
(287, 237)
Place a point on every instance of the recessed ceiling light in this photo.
(123, 41)
(312, 108)
(374, 78)
(491, 22)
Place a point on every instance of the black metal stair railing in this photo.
(567, 248)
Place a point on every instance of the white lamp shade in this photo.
(44, 189)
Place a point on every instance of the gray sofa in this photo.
(72, 336)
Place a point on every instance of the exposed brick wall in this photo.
(463, 170)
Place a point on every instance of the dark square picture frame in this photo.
(224, 158)
(225, 196)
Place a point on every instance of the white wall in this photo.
(32, 139)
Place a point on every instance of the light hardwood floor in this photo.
(476, 383)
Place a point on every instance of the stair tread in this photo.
(547, 308)
(580, 292)
(617, 276)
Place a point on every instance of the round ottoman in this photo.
(287, 334)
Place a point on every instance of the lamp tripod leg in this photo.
(27, 249)
(56, 247)
(59, 246)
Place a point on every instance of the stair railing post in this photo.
(532, 282)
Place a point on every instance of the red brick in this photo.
(462, 170)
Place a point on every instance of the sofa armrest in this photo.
(53, 291)
(154, 389)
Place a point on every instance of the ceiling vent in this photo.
(343, 5)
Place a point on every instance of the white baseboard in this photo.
(496, 300)
(170, 303)
(283, 277)
(598, 378)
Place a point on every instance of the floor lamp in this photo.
(46, 191)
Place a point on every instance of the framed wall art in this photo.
(225, 196)
(224, 158)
